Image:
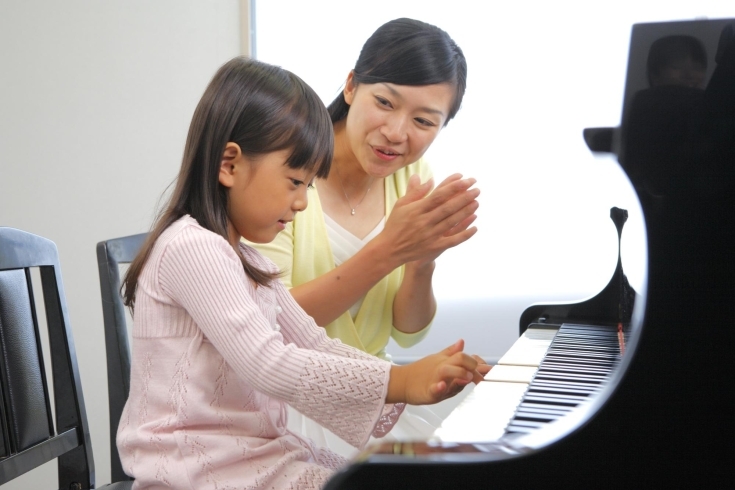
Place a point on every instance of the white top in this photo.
(344, 245)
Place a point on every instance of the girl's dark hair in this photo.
(260, 107)
(408, 52)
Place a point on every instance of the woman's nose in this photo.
(394, 129)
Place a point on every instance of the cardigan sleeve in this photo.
(201, 273)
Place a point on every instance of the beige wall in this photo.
(95, 101)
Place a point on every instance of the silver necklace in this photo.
(353, 208)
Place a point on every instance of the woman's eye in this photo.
(424, 122)
(382, 101)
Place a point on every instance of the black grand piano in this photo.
(634, 388)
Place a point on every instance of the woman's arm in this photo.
(328, 296)
(414, 305)
(419, 228)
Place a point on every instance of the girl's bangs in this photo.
(310, 134)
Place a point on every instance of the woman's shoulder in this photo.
(399, 179)
(420, 166)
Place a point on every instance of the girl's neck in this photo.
(234, 236)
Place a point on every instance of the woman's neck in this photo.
(349, 195)
(346, 171)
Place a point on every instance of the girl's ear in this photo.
(350, 87)
(231, 157)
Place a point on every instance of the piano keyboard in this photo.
(542, 377)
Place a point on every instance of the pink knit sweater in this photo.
(215, 360)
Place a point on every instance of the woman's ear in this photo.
(350, 87)
(231, 157)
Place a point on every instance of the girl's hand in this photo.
(433, 378)
(482, 369)
(424, 223)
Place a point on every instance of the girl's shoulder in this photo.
(186, 229)
(256, 258)
(186, 236)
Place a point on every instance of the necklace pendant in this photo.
(353, 212)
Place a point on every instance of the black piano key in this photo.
(576, 366)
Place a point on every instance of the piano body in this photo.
(661, 415)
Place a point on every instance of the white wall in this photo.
(95, 101)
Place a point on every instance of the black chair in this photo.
(31, 435)
(110, 254)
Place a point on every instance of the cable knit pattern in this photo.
(215, 359)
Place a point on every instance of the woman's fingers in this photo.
(415, 190)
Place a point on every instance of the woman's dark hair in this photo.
(260, 107)
(667, 50)
(408, 52)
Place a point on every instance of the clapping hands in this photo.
(425, 222)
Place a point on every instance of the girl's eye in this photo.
(296, 182)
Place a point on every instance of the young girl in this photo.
(360, 260)
(219, 345)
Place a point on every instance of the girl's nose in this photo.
(301, 201)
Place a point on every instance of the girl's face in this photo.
(390, 126)
(264, 193)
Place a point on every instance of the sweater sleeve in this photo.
(303, 331)
(200, 272)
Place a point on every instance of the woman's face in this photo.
(390, 126)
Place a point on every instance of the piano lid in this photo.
(666, 419)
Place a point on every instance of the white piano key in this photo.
(512, 374)
(529, 349)
(483, 414)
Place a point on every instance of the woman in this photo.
(360, 258)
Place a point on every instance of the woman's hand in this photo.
(424, 223)
(433, 378)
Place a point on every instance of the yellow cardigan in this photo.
(302, 252)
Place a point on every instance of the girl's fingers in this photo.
(458, 374)
(438, 389)
(456, 347)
